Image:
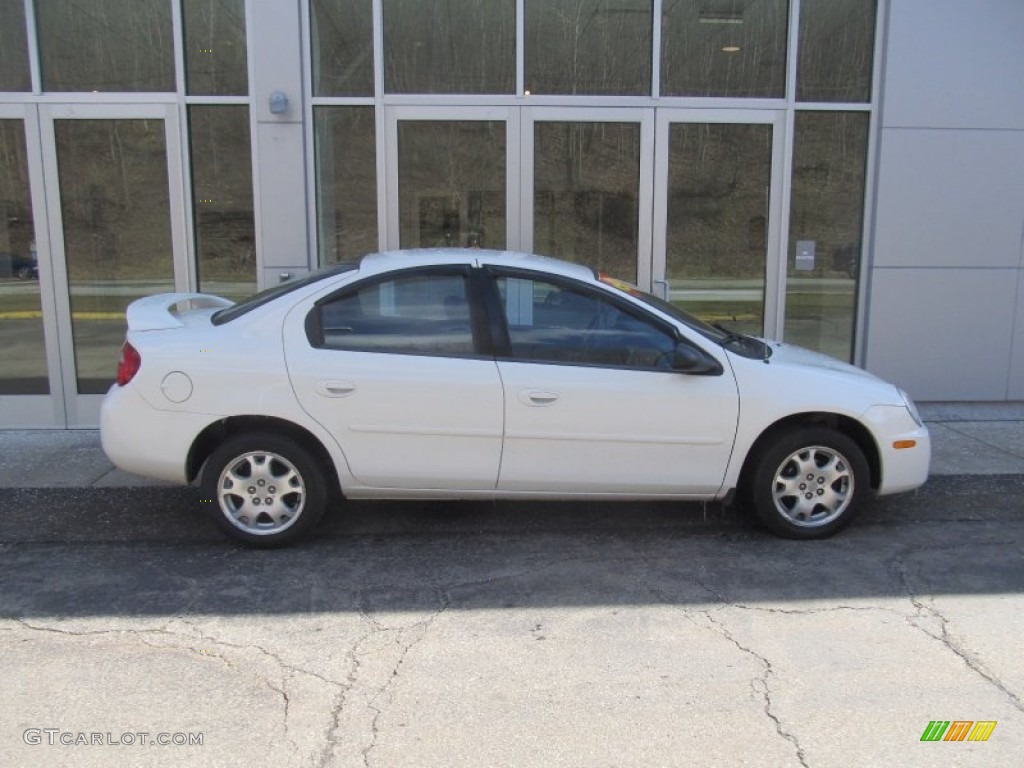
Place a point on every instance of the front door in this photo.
(592, 405)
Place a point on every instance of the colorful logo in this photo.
(958, 730)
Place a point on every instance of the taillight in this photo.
(129, 364)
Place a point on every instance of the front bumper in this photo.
(904, 446)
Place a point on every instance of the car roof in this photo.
(417, 257)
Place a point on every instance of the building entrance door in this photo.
(453, 177)
(30, 382)
(718, 215)
(116, 226)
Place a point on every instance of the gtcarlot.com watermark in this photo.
(54, 737)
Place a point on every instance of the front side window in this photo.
(411, 315)
(560, 323)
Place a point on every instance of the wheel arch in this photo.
(214, 434)
(845, 425)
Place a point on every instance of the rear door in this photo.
(390, 366)
(591, 403)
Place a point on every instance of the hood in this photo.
(787, 354)
(154, 313)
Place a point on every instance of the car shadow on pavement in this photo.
(151, 552)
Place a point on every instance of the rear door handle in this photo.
(332, 388)
(537, 397)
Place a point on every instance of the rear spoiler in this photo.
(153, 313)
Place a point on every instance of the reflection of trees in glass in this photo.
(588, 46)
(115, 206)
(724, 48)
(451, 184)
(837, 41)
(16, 231)
(215, 60)
(23, 365)
(106, 45)
(586, 182)
(222, 199)
(346, 182)
(14, 70)
(342, 47)
(719, 175)
(449, 46)
(114, 198)
(829, 159)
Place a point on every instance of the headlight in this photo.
(911, 407)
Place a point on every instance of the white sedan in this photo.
(459, 374)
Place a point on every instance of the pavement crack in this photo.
(386, 692)
(186, 642)
(925, 608)
(331, 737)
(761, 685)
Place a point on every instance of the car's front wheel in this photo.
(808, 483)
(264, 489)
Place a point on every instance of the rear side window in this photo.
(419, 314)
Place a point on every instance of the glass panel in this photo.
(222, 200)
(117, 232)
(342, 47)
(586, 194)
(14, 70)
(549, 322)
(829, 161)
(588, 46)
(215, 60)
(346, 182)
(837, 48)
(717, 238)
(455, 46)
(451, 184)
(724, 48)
(23, 365)
(421, 315)
(106, 45)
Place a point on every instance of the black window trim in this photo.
(274, 292)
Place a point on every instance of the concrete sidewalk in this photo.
(967, 439)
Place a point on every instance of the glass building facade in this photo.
(717, 152)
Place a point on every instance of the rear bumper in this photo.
(141, 439)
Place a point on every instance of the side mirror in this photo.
(694, 362)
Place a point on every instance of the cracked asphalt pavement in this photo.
(542, 634)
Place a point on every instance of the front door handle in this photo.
(332, 388)
(537, 397)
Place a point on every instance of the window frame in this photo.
(500, 330)
(479, 327)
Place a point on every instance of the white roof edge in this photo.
(412, 257)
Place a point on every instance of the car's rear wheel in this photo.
(266, 490)
(808, 483)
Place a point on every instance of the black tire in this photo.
(808, 483)
(285, 499)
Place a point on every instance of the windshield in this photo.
(740, 343)
(228, 314)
